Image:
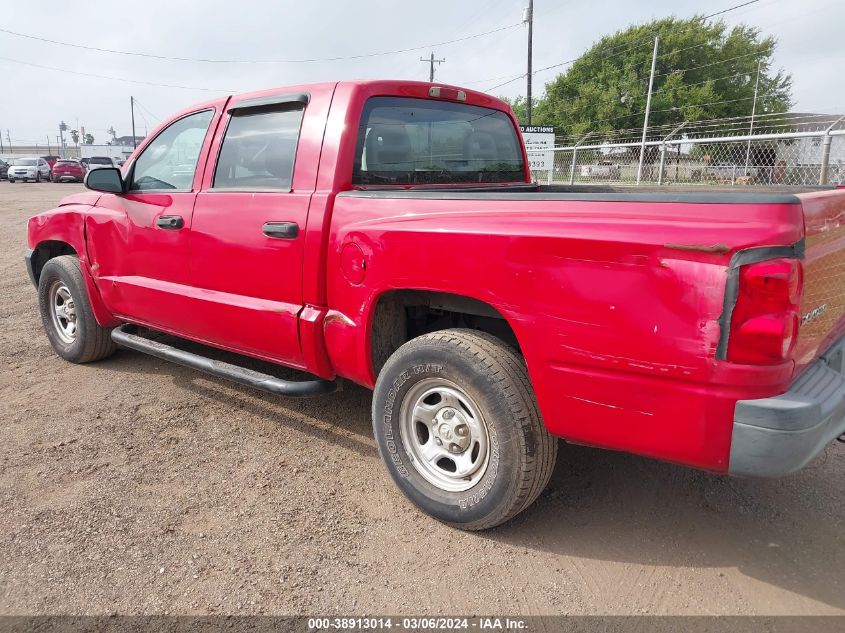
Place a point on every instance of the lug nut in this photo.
(438, 441)
(454, 448)
(462, 430)
(448, 414)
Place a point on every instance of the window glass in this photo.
(258, 150)
(420, 141)
(170, 160)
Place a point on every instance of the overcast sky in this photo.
(34, 99)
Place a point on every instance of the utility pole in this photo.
(9, 139)
(647, 109)
(49, 151)
(431, 61)
(753, 112)
(132, 107)
(529, 17)
(61, 144)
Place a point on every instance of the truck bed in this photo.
(724, 194)
(747, 218)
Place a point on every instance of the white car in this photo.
(98, 162)
(29, 168)
(604, 169)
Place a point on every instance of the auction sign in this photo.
(539, 141)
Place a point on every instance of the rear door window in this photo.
(259, 149)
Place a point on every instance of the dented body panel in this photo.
(616, 301)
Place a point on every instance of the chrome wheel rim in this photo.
(63, 312)
(445, 435)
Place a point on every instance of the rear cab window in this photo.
(407, 141)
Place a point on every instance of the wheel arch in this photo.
(399, 315)
(62, 232)
(46, 250)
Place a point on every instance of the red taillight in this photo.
(764, 320)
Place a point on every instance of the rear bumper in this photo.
(780, 435)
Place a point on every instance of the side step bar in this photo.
(126, 336)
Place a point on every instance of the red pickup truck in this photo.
(389, 233)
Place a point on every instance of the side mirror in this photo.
(107, 179)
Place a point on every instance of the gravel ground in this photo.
(135, 486)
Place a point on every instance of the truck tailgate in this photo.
(823, 302)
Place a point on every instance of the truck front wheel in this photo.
(66, 313)
(457, 425)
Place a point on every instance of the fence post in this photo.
(825, 159)
(575, 156)
(663, 148)
(826, 150)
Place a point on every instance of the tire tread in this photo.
(98, 341)
(506, 367)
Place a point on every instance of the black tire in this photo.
(11, 180)
(90, 342)
(493, 375)
(38, 177)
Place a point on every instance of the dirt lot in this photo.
(135, 486)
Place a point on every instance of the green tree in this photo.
(520, 110)
(703, 71)
(89, 139)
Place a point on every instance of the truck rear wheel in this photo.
(457, 425)
(66, 313)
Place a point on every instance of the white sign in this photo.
(538, 139)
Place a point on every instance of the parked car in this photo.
(84, 162)
(4, 169)
(728, 171)
(490, 315)
(602, 170)
(68, 170)
(29, 168)
(98, 162)
(51, 160)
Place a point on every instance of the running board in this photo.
(126, 336)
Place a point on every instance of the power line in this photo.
(691, 105)
(256, 61)
(146, 109)
(132, 81)
(658, 91)
(739, 6)
(722, 61)
(627, 47)
(769, 120)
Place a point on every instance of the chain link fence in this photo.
(795, 149)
